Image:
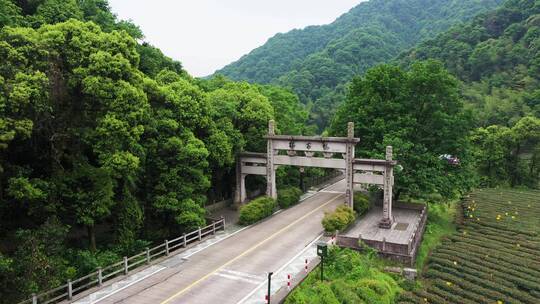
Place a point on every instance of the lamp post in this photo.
(322, 251)
(269, 285)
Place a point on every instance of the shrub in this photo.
(342, 217)
(256, 210)
(350, 277)
(361, 203)
(288, 197)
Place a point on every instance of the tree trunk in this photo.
(91, 237)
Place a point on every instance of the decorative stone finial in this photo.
(350, 129)
(271, 130)
(388, 152)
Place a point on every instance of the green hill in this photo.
(318, 61)
(497, 56)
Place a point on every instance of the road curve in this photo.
(229, 270)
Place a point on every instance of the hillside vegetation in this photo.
(349, 277)
(493, 258)
(106, 145)
(497, 56)
(318, 61)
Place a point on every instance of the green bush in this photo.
(256, 210)
(350, 277)
(361, 203)
(288, 197)
(342, 217)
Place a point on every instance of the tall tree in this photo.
(417, 112)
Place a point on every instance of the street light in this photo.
(269, 284)
(322, 251)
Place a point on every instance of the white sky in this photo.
(205, 35)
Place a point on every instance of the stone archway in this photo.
(300, 151)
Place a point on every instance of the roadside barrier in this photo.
(101, 275)
(289, 282)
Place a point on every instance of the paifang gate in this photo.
(301, 151)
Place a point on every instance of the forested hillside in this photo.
(106, 144)
(497, 58)
(486, 113)
(318, 61)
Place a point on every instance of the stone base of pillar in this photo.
(385, 223)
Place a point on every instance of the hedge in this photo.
(342, 217)
(256, 210)
(288, 197)
(361, 203)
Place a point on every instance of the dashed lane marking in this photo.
(168, 300)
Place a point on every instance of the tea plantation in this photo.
(492, 258)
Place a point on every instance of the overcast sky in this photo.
(205, 35)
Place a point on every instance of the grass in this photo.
(493, 255)
(440, 223)
(350, 277)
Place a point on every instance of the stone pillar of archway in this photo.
(240, 191)
(388, 219)
(270, 168)
(349, 163)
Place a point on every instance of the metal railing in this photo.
(123, 267)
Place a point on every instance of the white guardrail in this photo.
(97, 278)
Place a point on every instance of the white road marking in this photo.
(238, 278)
(291, 261)
(91, 298)
(242, 274)
(94, 295)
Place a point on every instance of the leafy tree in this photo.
(91, 191)
(417, 112)
(40, 264)
(153, 61)
(492, 150)
(55, 11)
(10, 14)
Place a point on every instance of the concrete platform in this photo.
(400, 233)
(399, 242)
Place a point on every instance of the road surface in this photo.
(230, 270)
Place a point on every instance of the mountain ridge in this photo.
(318, 62)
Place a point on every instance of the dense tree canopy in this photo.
(106, 144)
(496, 56)
(418, 113)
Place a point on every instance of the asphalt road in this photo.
(229, 270)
